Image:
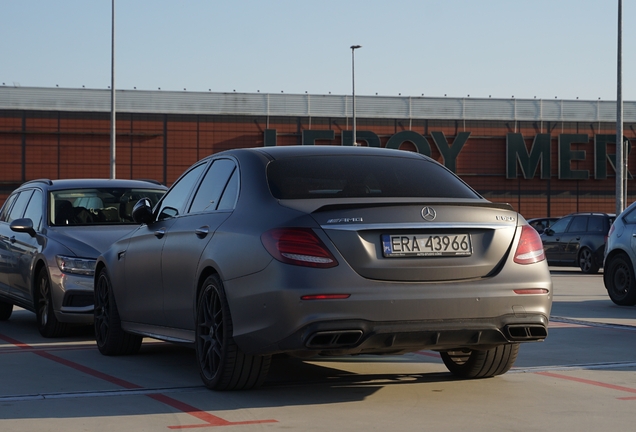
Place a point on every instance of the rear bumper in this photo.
(269, 315)
(365, 337)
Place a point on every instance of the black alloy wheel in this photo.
(111, 339)
(586, 262)
(48, 325)
(222, 364)
(468, 363)
(620, 282)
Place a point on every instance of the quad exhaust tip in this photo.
(334, 339)
(526, 332)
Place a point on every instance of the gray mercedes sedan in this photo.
(324, 250)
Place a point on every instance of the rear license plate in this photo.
(426, 245)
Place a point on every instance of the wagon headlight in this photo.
(75, 265)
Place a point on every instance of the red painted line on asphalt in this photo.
(590, 382)
(209, 419)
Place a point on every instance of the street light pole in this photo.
(620, 154)
(353, 79)
(113, 140)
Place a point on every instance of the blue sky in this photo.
(499, 48)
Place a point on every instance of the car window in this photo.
(596, 224)
(20, 204)
(579, 224)
(359, 176)
(561, 225)
(97, 206)
(7, 206)
(214, 183)
(230, 194)
(175, 200)
(34, 209)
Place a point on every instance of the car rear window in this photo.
(363, 177)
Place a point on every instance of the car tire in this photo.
(222, 364)
(111, 339)
(481, 363)
(620, 282)
(5, 310)
(48, 325)
(587, 264)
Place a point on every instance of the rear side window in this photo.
(596, 224)
(362, 177)
(579, 224)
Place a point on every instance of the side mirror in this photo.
(24, 225)
(548, 231)
(142, 211)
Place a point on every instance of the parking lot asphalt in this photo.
(582, 378)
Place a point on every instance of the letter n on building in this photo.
(517, 155)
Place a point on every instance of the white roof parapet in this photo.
(284, 104)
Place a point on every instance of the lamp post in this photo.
(621, 154)
(113, 135)
(353, 85)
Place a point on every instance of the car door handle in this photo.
(160, 233)
(202, 232)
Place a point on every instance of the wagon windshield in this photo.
(97, 206)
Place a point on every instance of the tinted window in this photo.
(230, 194)
(174, 202)
(560, 225)
(630, 217)
(579, 224)
(596, 224)
(363, 176)
(7, 206)
(20, 204)
(34, 209)
(214, 183)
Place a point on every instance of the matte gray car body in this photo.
(373, 298)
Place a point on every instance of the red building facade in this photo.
(545, 158)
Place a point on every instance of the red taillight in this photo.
(326, 297)
(530, 248)
(298, 246)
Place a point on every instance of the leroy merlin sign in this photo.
(518, 157)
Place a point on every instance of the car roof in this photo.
(279, 152)
(92, 183)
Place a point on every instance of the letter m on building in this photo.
(517, 155)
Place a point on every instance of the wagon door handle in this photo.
(160, 233)
(202, 232)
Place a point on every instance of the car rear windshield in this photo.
(97, 206)
(363, 177)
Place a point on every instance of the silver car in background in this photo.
(324, 250)
(620, 257)
(51, 232)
